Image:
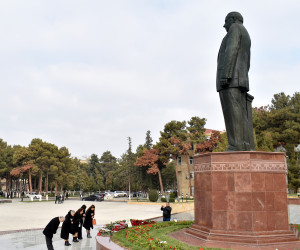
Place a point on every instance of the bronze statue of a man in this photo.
(233, 84)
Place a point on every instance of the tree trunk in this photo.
(40, 182)
(160, 183)
(9, 185)
(34, 183)
(29, 181)
(177, 178)
(46, 183)
(17, 182)
(129, 169)
(55, 187)
(129, 188)
(189, 174)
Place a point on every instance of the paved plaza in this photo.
(35, 215)
(31, 218)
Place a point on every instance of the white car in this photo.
(35, 195)
(120, 194)
(107, 194)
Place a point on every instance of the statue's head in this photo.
(232, 17)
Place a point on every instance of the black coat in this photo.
(77, 221)
(67, 227)
(234, 58)
(166, 211)
(88, 222)
(82, 217)
(51, 227)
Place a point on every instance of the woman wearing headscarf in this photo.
(88, 222)
(81, 222)
(67, 227)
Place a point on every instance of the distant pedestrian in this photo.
(166, 212)
(56, 198)
(51, 229)
(81, 222)
(88, 222)
(22, 195)
(67, 227)
(67, 195)
(61, 199)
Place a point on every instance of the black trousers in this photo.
(235, 111)
(49, 243)
(80, 231)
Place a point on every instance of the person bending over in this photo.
(51, 229)
(67, 227)
(88, 222)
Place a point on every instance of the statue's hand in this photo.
(224, 82)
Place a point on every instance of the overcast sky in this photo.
(88, 74)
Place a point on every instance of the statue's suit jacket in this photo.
(234, 58)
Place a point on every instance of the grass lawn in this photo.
(292, 196)
(154, 236)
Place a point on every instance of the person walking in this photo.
(166, 212)
(76, 224)
(51, 229)
(88, 222)
(67, 227)
(81, 222)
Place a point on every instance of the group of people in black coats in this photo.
(72, 224)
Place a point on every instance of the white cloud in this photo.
(88, 75)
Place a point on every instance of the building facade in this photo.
(184, 164)
(184, 175)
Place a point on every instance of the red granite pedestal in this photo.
(241, 197)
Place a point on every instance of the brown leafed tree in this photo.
(150, 159)
(16, 172)
(209, 145)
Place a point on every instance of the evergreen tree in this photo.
(148, 143)
(108, 164)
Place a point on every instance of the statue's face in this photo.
(228, 21)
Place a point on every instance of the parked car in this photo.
(94, 197)
(108, 194)
(120, 194)
(35, 195)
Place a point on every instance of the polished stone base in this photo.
(104, 243)
(241, 197)
(195, 241)
(247, 238)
